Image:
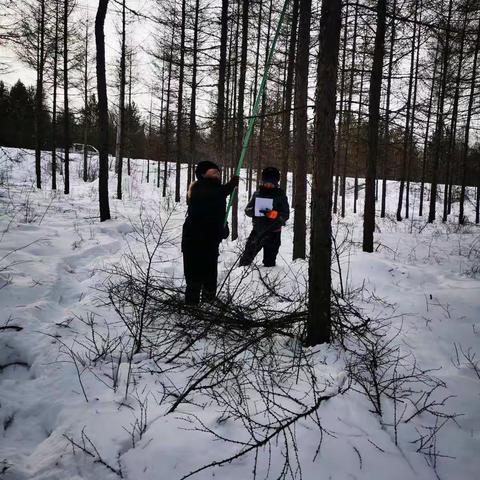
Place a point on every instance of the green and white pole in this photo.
(256, 106)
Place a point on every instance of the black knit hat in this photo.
(202, 168)
(270, 175)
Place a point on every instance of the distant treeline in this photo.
(17, 123)
(17, 129)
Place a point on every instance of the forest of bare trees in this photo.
(370, 91)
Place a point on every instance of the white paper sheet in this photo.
(262, 203)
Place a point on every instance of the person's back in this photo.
(203, 231)
(206, 200)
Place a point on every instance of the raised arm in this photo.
(228, 187)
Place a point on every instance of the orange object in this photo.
(272, 214)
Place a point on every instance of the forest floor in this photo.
(55, 260)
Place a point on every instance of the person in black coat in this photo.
(203, 231)
(269, 210)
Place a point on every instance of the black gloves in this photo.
(234, 181)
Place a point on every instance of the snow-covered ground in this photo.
(54, 257)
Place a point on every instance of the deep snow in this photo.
(52, 252)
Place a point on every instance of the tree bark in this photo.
(121, 139)
(54, 106)
(427, 130)
(287, 114)
(180, 104)
(349, 117)
(193, 105)
(373, 121)
(440, 120)
(300, 139)
(461, 217)
(319, 287)
(102, 111)
(167, 115)
(340, 114)
(39, 96)
(222, 71)
(66, 112)
(453, 126)
(406, 134)
(240, 107)
(85, 107)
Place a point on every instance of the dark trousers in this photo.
(269, 241)
(200, 268)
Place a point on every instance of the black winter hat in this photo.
(270, 175)
(202, 168)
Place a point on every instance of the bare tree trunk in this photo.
(85, 106)
(255, 87)
(319, 288)
(102, 111)
(39, 96)
(240, 107)
(461, 217)
(411, 145)
(453, 126)
(263, 108)
(427, 130)
(167, 115)
(406, 134)
(128, 141)
(440, 120)
(222, 71)
(180, 104)
(386, 146)
(150, 149)
(161, 128)
(193, 106)
(287, 114)
(359, 129)
(349, 110)
(121, 106)
(373, 121)
(340, 114)
(54, 106)
(300, 139)
(66, 112)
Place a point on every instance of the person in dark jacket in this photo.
(269, 210)
(203, 231)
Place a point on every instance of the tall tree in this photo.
(66, 112)
(39, 94)
(121, 112)
(180, 103)
(240, 107)
(102, 110)
(427, 131)
(461, 217)
(86, 74)
(54, 106)
(349, 111)
(386, 143)
(287, 114)
(447, 194)
(319, 291)
(300, 139)
(406, 135)
(373, 123)
(193, 97)
(341, 110)
(168, 122)
(440, 117)
(222, 72)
